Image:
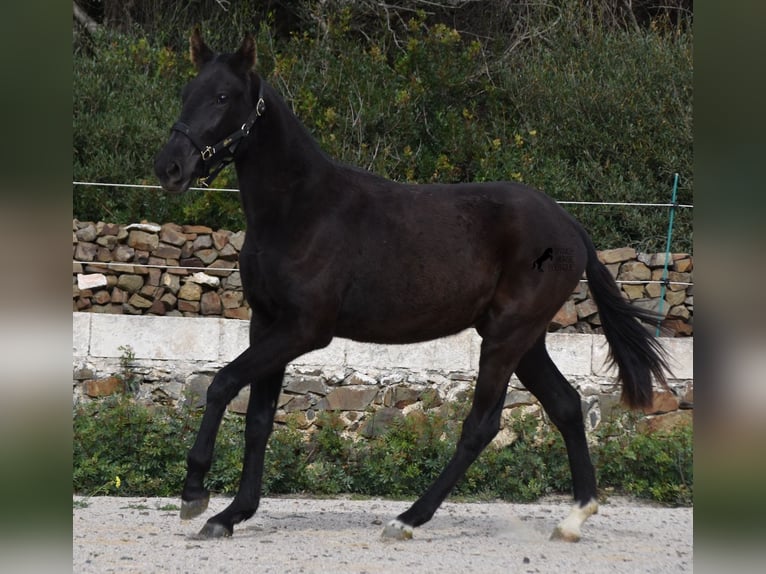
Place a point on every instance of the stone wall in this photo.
(174, 359)
(189, 270)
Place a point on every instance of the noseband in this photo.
(218, 156)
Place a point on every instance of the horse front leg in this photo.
(263, 364)
(259, 424)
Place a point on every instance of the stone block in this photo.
(348, 399)
(571, 352)
(169, 338)
(609, 256)
(378, 422)
(565, 316)
(102, 387)
(210, 303)
(130, 283)
(143, 240)
(662, 402)
(190, 291)
(666, 422)
(634, 271)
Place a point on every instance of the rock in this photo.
(679, 311)
(107, 229)
(191, 307)
(170, 282)
(683, 265)
(220, 239)
(139, 302)
(677, 327)
(348, 399)
(130, 283)
(242, 313)
(87, 233)
(91, 281)
(207, 256)
(190, 291)
(221, 268)
(196, 389)
(358, 378)
(302, 384)
(378, 422)
(204, 279)
(666, 422)
(197, 229)
(102, 387)
(616, 255)
(634, 271)
(167, 251)
(143, 241)
(102, 297)
(144, 227)
(108, 241)
(85, 251)
(662, 402)
(172, 235)
(634, 291)
(565, 316)
(517, 398)
(123, 253)
(202, 242)
(298, 403)
(677, 280)
(586, 308)
(237, 240)
(231, 299)
(210, 303)
(675, 297)
(228, 253)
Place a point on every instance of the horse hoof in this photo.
(397, 530)
(193, 508)
(213, 530)
(565, 535)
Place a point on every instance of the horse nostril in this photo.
(173, 170)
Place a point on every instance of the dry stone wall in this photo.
(172, 360)
(190, 271)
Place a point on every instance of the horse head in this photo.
(219, 107)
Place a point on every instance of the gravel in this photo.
(342, 535)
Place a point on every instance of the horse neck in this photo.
(279, 161)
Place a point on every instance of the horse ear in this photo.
(246, 55)
(199, 52)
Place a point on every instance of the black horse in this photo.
(335, 251)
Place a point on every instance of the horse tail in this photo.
(637, 354)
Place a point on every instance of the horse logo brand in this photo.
(561, 258)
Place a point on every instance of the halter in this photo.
(218, 156)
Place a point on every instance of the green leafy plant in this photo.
(146, 447)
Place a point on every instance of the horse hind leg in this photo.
(479, 428)
(539, 375)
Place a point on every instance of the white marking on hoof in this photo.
(568, 529)
(397, 530)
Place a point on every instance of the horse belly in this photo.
(409, 304)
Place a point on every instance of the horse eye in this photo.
(222, 98)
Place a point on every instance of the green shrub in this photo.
(583, 112)
(146, 447)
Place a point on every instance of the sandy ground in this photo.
(341, 535)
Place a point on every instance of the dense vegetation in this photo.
(584, 100)
(146, 447)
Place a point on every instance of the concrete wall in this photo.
(175, 358)
(213, 342)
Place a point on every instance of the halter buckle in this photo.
(207, 153)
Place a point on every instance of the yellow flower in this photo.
(117, 481)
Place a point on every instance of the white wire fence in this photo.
(97, 264)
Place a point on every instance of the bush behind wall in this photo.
(584, 113)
